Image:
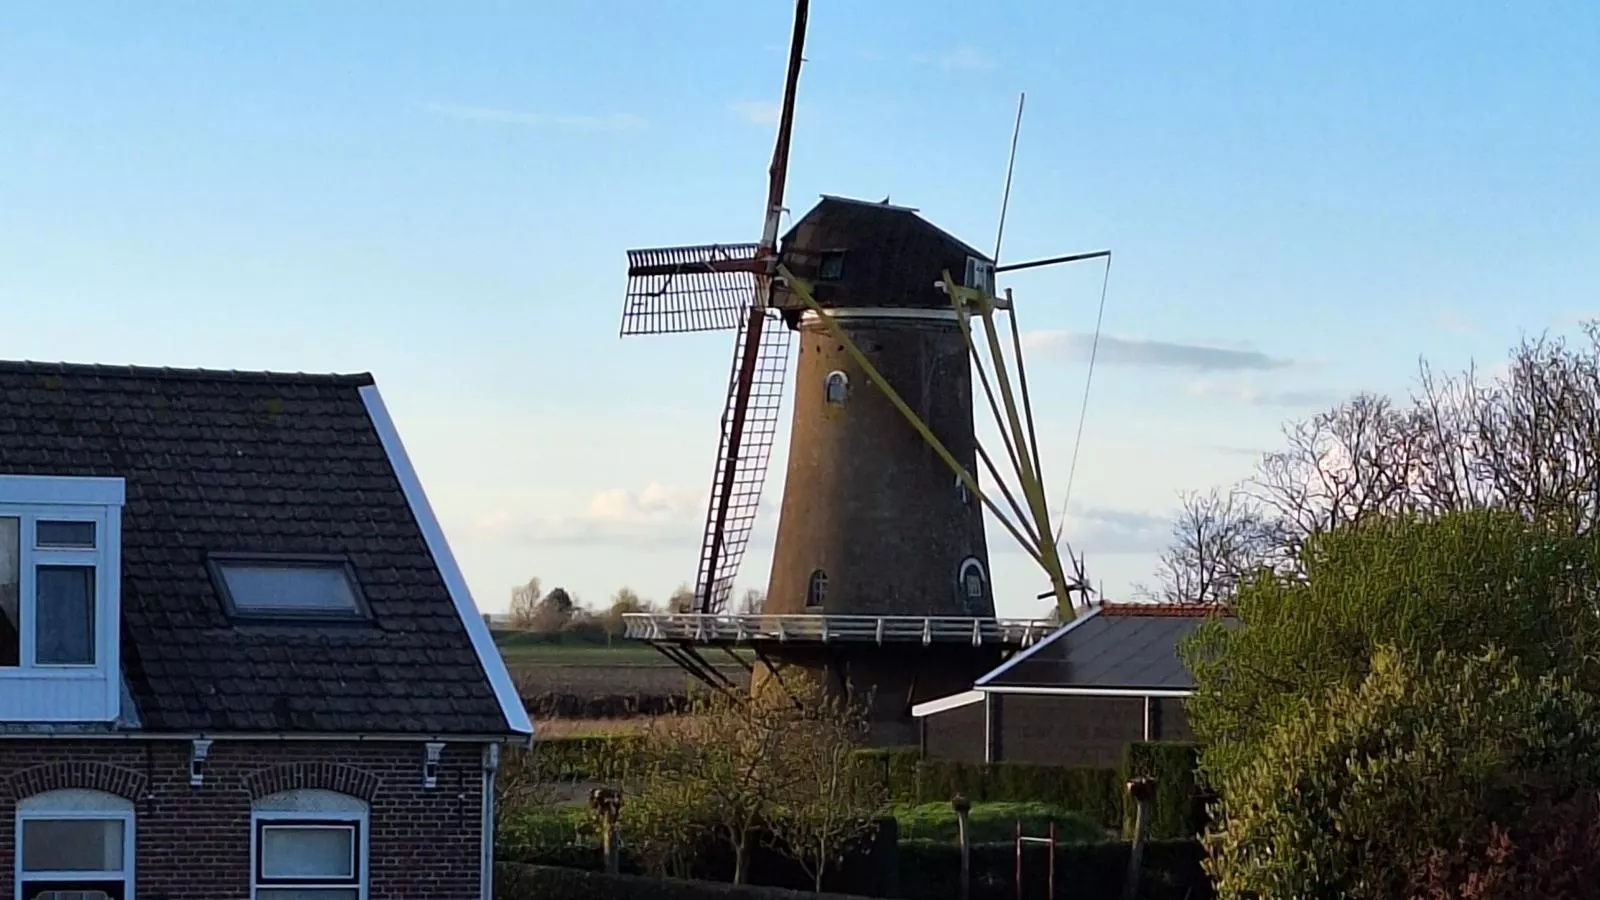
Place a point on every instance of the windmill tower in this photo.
(880, 574)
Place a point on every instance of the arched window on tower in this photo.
(817, 589)
(836, 388)
(973, 583)
(962, 494)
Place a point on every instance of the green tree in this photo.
(1355, 795)
(1461, 583)
(624, 602)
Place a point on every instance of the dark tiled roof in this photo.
(254, 462)
(1127, 646)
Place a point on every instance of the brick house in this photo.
(1077, 697)
(237, 658)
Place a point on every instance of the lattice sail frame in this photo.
(760, 428)
(674, 290)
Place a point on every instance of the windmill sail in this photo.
(681, 289)
(736, 487)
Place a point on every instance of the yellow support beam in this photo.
(802, 289)
(1031, 482)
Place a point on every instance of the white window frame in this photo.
(843, 381)
(76, 804)
(310, 808)
(817, 583)
(33, 498)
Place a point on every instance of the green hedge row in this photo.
(928, 871)
(1099, 794)
(1171, 871)
(1096, 793)
(519, 882)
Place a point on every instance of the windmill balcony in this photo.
(710, 628)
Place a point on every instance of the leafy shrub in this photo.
(1557, 857)
(1362, 790)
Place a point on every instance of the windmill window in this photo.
(836, 388)
(972, 579)
(962, 493)
(831, 267)
(817, 589)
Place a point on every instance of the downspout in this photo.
(491, 767)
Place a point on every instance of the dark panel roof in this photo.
(254, 462)
(1115, 648)
(892, 256)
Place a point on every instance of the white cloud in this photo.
(1456, 323)
(1097, 529)
(1251, 394)
(761, 112)
(1118, 351)
(654, 514)
(602, 122)
(964, 58)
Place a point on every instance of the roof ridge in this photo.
(1174, 610)
(104, 370)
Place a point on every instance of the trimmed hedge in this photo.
(519, 882)
(1096, 793)
(1172, 871)
(1178, 811)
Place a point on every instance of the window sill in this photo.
(52, 673)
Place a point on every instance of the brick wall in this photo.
(193, 843)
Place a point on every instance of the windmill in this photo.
(880, 569)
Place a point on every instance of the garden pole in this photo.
(1142, 790)
(963, 808)
(1019, 859)
(1052, 844)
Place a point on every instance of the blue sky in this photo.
(442, 194)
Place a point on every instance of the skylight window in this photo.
(288, 587)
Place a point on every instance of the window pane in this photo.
(64, 534)
(71, 845)
(307, 852)
(10, 591)
(64, 613)
(306, 588)
(306, 894)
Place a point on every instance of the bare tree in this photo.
(1526, 440)
(525, 603)
(1219, 538)
(752, 602)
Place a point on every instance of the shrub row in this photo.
(1171, 871)
(564, 705)
(520, 882)
(927, 871)
(1096, 793)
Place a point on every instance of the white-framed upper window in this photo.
(59, 559)
(836, 389)
(308, 845)
(278, 586)
(74, 845)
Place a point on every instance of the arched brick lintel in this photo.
(55, 776)
(315, 775)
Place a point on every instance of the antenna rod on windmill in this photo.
(1011, 165)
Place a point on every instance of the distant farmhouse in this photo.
(237, 658)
